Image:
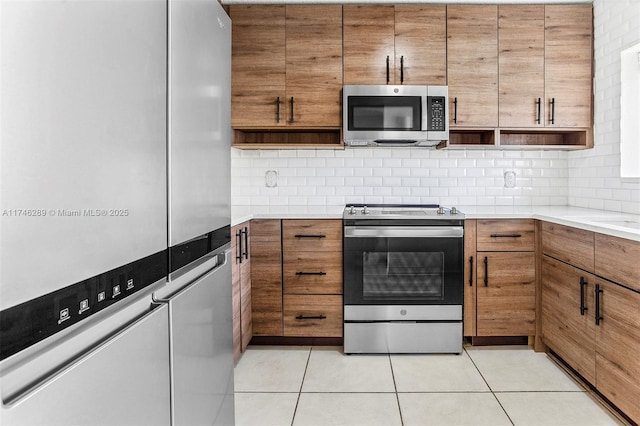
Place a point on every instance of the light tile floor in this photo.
(302, 385)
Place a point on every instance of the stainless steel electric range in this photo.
(403, 279)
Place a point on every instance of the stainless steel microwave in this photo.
(395, 115)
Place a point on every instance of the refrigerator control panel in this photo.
(30, 322)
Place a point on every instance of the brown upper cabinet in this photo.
(401, 44)
(545, 56)
(521, 65)
(286, 66)
(518, 75)
(472, 65)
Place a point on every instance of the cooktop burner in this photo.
(400, 211)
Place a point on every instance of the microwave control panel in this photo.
(435, 113)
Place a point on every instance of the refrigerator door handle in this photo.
(191, 279)
(19, 395)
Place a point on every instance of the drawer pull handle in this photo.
(239, 246)
(583, 284)
(599, 317)
(506, 235)
(310, 236)
(470, 271)
(310, 317)
(486, 271)
(310, 273)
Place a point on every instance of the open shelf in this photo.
(579, 138)
(470, 138)
(287, 138)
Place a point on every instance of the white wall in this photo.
(594, 175)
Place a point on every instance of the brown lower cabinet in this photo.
(241, 288)
(296, 277)
(593, 323)
(312, 277)
(500, 278)
(266, 277)
(506, 294)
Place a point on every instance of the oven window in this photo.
(401, 275)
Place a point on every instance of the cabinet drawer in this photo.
(568, 244)
(313, 272)
(506, 235)
(312, 235)
(313, 316)
(618, 260)
(265, 230)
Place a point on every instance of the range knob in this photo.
(454, 210)
(352, 210)
(365, 210)
(440, 210)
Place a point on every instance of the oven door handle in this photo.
(403, 231)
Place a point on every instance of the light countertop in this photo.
(623, 225)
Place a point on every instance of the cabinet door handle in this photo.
(506, 235)
(486, 271)
(599, 317)
(470, 271)
(455, 109)
(388, 69)
(291, 101)
(309, 236)
(583, 284)
(401, 69)
(539, 104)
(246, 243)
(278, 109)
(239, 246)
(553, 110)
(310, 317)
(310, 273)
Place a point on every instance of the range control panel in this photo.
(436, 113)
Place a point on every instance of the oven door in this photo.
(403, 265)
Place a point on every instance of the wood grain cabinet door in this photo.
(472, 65)
(368, 44)
(470, 277)
(618, 346)
(266, 277)
(569, 244)
(568, 65)
(506, 302)
(568, 309)
(618, 259)
(521, 65)
(258, 66)
(420, 44)
(313, 65)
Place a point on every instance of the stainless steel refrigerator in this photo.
(115, 292)
(199, 192)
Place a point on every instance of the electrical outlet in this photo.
(510, 179)
(271, 178)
